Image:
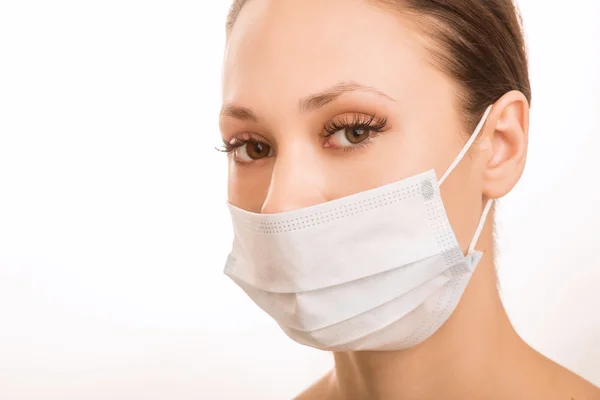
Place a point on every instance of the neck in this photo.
(475, 351)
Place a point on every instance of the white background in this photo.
(114, 230)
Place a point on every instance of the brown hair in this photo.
(478, 43)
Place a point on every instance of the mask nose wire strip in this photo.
(466, 147)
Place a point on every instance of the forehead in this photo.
(298, 47)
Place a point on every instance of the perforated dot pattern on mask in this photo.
(427, 190)
(438, 316)
(337, 213)
(438, 220)
(454, 259)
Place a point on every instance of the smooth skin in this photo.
(295, 69)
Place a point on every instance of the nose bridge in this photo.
(297, 180)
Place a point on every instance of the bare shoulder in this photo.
(584, 390)
(320, 390)
(574, 387)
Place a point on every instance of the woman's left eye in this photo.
(348, 137)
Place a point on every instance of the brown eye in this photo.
(353, 131)
(349, 136)
(253, 151)
(356, 135)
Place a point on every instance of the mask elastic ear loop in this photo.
(456, 161)
(466, 147)
(486, 210)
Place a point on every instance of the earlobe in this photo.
(509, 139)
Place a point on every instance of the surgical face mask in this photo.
(377, 270)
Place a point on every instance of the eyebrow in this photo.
(309, 103)
(318, 100)
(241, 113)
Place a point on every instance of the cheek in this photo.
(247, 187)
(388, 159)
(398, 155)
(461, 194)
(436, 145)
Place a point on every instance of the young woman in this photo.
(368, 140)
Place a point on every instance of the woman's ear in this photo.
(507, 138)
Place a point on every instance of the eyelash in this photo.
(355, 121)
(235, 143)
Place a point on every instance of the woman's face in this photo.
(326, 98)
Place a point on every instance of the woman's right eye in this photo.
(252, 151)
